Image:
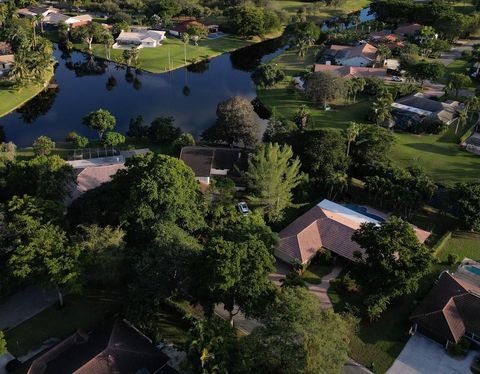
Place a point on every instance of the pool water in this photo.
(364, 211)
(473, 269)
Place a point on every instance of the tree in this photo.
(373, 144)
(357, 85)
(462, 119)
(43, 252)
(381, 109)
(302, 116)
(112, 139)
(467, 199)
(235, 123)
(271, 176)
(136, 129)
(184, 140)
(267, 75)
(8, 153)
(305, 34)
(351, 133)
(297, 336)
(426, 70)
(234, 273)
(457, 81)
(162, 130)
(45, 211)
(3, 343)
(198, 30)
(249, 21)
(43, 146)
(92, 31)
(101, 121)
(321, 87)
(384, 52)
(394, 261)
(427, 38)
(81, 142)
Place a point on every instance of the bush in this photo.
(43, 146)
(71, 136)
(452, 259)
(349, 284)
(80, 142)
(324, 257)
(184, 140)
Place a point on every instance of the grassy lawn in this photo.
(84, 311)
(382, 341)
(156, 60)
(315, 272)
(461, 244)
(317, 13)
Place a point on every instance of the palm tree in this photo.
(383, 52)
(21, 69)
(351, 132)
(461, 119)
(381, 109)
(337, 182)
(357, 86)
(185, 40)
(108, 43)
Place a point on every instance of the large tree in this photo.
(393, 263)
(467, 199)
(92, 31)
(235, 123)
(297, 336)
(457, 81)
(267, 75)
(272, 174)
(322, 87)
(43, 252)
(101, 121)
(43, 146)
(373, 143)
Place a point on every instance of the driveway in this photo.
(446, 58)
(24, 305)
(424, 356)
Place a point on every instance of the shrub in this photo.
(43, 146)
(349, 284)
(452, 259)
(80, 142)
(324, 257)
(71, 136)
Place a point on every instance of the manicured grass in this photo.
(382, 341)
(11, 99)
(156, 60)
(84, 311)
(317, 12)
(461, 244)
(315, 273)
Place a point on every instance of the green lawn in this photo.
(382, 341)
(315, 272)
(461, 244)
(84, 311)
(156, 60)
(11, 99)
(317, 12)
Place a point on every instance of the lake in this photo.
(190, 95)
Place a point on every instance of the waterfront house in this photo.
(349, 72)
(359, 55)
(139, 38)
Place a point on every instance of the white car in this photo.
(243, 207)
(397, 79)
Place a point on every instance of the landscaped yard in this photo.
(156, 60)
(317, 11)
(315, 272)
(461, 244)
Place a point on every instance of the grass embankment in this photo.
(86, 312)
(440, 155)
(13, 98)
(170, 55)
(317, 12)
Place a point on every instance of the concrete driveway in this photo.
(424, 356)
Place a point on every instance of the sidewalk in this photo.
(321, 290)
(24, 305)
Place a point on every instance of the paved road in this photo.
(24, 305)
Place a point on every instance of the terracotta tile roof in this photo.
(351, 71)
(450, 309)
(366, 50)
(328, 225)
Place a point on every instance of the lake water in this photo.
(190, 95)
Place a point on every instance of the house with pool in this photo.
(330, 226)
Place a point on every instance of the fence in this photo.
(87, 153)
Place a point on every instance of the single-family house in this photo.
(209, 161)
(35, 10)
(113, 347)
(54, 19)
(413, 110)
(6, 64)
(349, 72)
(387, 38)
(451, 310)
(408, 29)
(330, 226)
(139, 39)
(359, 55)
(182, 27)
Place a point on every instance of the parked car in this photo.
(396, 78)
(243, 207)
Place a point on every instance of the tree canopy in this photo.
(467, 199)
(101, 121)
(322, 87)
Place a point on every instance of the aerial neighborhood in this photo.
(239, 187)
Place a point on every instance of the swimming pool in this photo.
(473, 269)
(364, 211)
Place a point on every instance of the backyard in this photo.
(461, 244)
(156, 60)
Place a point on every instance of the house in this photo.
(139, 39)
(114, 347)
(5, 49)
(35, 10)
(408, 29)
(6, 64)
(415, 109)
(208, 161)
(349, 72)
(392, 40)
(330, 226)
(54, 19)
(451, 309)
(182, 27)
(359, 55)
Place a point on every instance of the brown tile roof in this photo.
(408, 29)
(450, 309)
(183, 26)
(5, 48)
(328, 225)
(366, 50)
(112, 348)
(351, 71)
